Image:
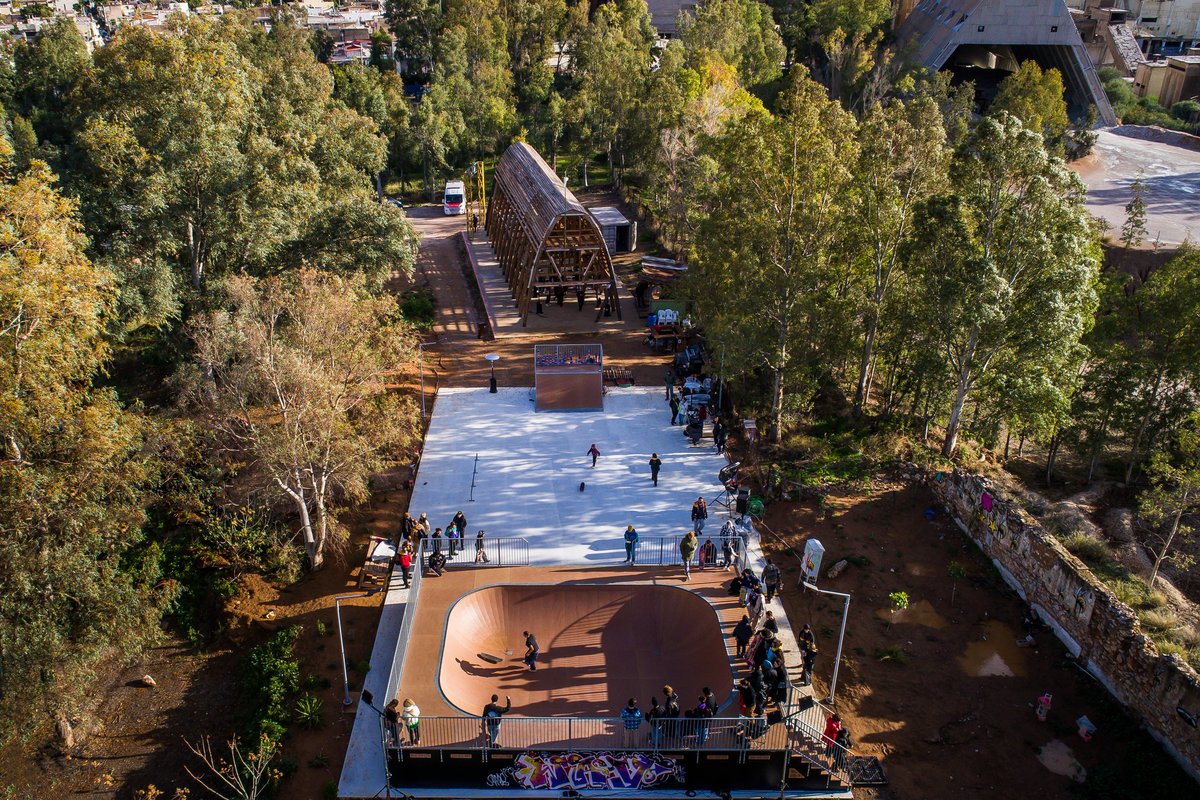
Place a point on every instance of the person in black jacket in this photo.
(492, 713)
(741, 635)
(670, 715)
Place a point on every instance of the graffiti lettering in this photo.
(558, 771)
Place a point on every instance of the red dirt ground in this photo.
(941, 728)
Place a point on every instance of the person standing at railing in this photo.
(491, 716)
(437, 541)
(844, 744)
(412, 721)
(405, 559)
(654, 718)
(631, 543)
(481, 556)
(453, 534)
(708, 554)
(833, 726)
(391, 718)
(687, 549)
(670, 723)
(700, 716)
(631, 720)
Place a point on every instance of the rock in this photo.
(837, 569)
(148, 681)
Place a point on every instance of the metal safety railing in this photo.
(663, 551)
(597, 733)
(806, 725)
(406, 624)
(503, 551)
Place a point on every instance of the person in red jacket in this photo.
(832, 726)
(406, 558)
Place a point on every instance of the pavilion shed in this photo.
(545, 240)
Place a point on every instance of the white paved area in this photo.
(530, 466)
(1172, 178)
(527, 484)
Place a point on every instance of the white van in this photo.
(453, 198)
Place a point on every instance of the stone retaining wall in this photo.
(1100, 630)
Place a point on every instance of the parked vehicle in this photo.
(453, 198)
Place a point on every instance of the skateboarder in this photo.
(531, 650)
(481, 556)
(655, 466)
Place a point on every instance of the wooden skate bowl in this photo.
(600, 645)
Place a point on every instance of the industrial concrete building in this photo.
(985, 40)
(1170, 80)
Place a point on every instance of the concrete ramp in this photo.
(600, 645)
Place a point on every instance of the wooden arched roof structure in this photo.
(544, 239)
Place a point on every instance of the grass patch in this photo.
(1085, 548)
(895, 653)
(1163, 619)
(862, 562)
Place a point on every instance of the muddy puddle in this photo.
(1057, 757)
(918, 613)
(996, 655)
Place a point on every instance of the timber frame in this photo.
(544, 239)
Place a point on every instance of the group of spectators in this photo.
(441, 545)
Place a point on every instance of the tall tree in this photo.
(1008, 261)
(903, 160)
(741, 32)
(1036, 98)
(1174, 492)
(609, 64)
(76, 470)
(293, 375)
(416, 26)
(47, 71)
(765, 268)
(215, 149)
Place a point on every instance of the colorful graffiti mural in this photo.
(560, 771)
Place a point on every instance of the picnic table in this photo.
(378, 564)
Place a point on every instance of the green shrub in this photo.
(330, 791)
(1185, 110)
(418, 307)
(268, 676)
(319, 761)
(310, 712)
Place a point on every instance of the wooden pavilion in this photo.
(546, 242)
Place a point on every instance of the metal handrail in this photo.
(809, 725)
(406, 624)
(501, 551)
(663, 551)
(600, 733)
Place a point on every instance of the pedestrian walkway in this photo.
(555, 318)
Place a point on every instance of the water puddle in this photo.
(997, 655)
(918, 613)
(1057, 757)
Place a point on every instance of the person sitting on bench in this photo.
(437, 563)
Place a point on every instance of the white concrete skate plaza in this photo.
(531, 464)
